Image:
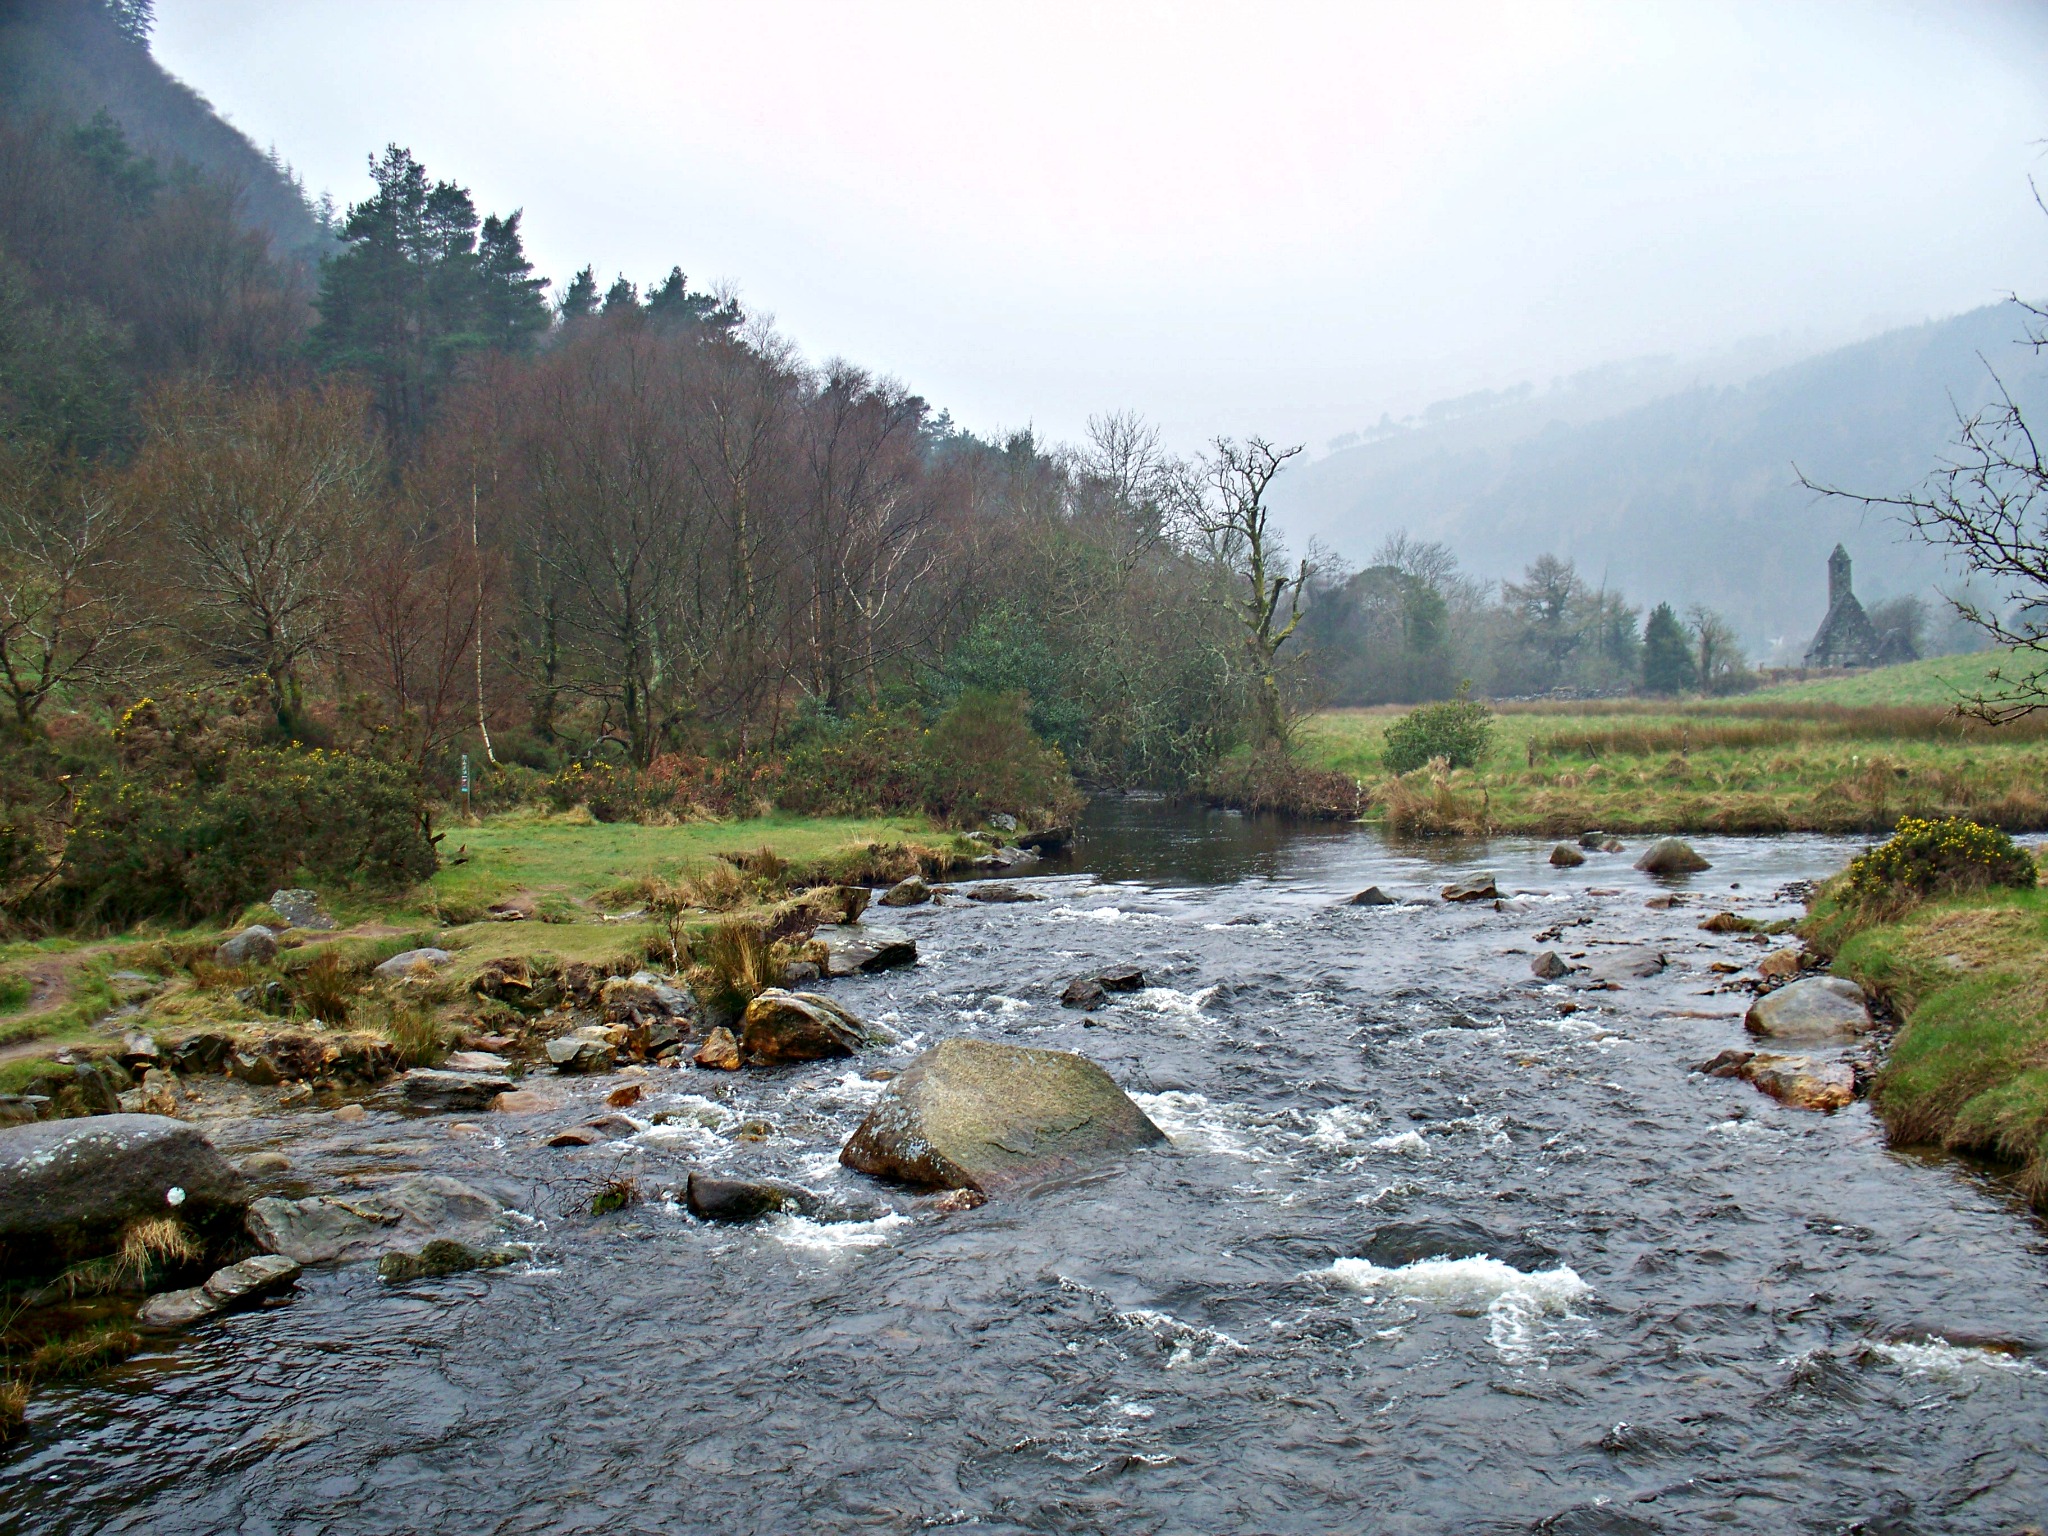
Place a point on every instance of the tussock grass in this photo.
(738, 964)
(82, 1354)
(1427, 803)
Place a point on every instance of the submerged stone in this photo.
(974, 1114)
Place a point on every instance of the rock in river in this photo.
(326, 1228)
(1083, 992)
(910, 891)
(1814, 1009)
(1671, 856)
(996, 891)
(861, 947)
(1565, 856)
(1407, 1242)
(719, 1051)
(69, 1187)
(1373, 896)
(799, 1026)
(1550, 965)
(973, 1114)
(1801, 1081)
(1478, 887)
(741, 1200)
(578, 1054)
(440, 1257)
(425, 1088)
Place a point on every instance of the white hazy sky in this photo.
(1234, 218)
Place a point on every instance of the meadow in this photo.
(1844, 754)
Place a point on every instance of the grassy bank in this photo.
(1765, 763)
(578, 878)
(1969, 1070)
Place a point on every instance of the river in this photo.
(1721, 1314)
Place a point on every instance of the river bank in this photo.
(1699, 1305)
(1968, 978)
(1788, 764)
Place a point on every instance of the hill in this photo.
(69, 59)
(1693, 497)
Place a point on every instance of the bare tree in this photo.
(1986, 504)
(1235, 527)
(1717, 649)
(65, 621)
(259, 498)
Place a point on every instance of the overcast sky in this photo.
(1244, 218)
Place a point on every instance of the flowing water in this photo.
(1701, 1311)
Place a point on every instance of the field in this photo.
(1841, 755)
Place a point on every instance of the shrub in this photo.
(1934, 858)
(1458, 730)
(982, 758)
(1275, 781)
(183, 830)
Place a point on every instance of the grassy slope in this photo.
(1970, 1069)
(1786, 760)
(1938, 680)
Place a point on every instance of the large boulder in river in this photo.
(1671, 856)
(68, 1188)
(1479, 887)
(425, 1088)
(1565, 856)
(361, 1225)
(1814, 1009)
(972, 1114)
(1396, 1243)
(799, 1026)
(858, 947)
(910, 891)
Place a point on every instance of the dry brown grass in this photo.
(325, 987)
(737, 961)
(1426, 803)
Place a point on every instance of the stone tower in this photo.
(1846, 637)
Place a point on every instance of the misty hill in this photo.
(69, 59)
(1692, 497)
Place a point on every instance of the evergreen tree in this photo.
(579, 299)
(515, 310)
(412, 291)
(1668, 666)
(622, 298)
(673, 303)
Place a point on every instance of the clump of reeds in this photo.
(1424, 803)
(325, 987)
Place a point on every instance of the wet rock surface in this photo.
(972, 1114)
(1813, 1009)
(1671, 856)
(1781, 1326)
(68, 1188)
(863, 947)
(325, 1229)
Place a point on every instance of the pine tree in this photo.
(673, 303)
(412, 290)
(622, 298)
(579, 299)
(1668, 667)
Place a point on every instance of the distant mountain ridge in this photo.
(1693, 497)
(70, 59)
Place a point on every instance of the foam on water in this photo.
(1517, 1304)
(1935, 1356)
(1338, 1127)
(1404, 1141)
(1191, 1120)
(833, 1236)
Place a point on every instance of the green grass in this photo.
(584, 861)
(1743, 765)
(1938, 680)
(1969, 1071)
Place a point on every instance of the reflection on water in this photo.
(1703, 1311)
